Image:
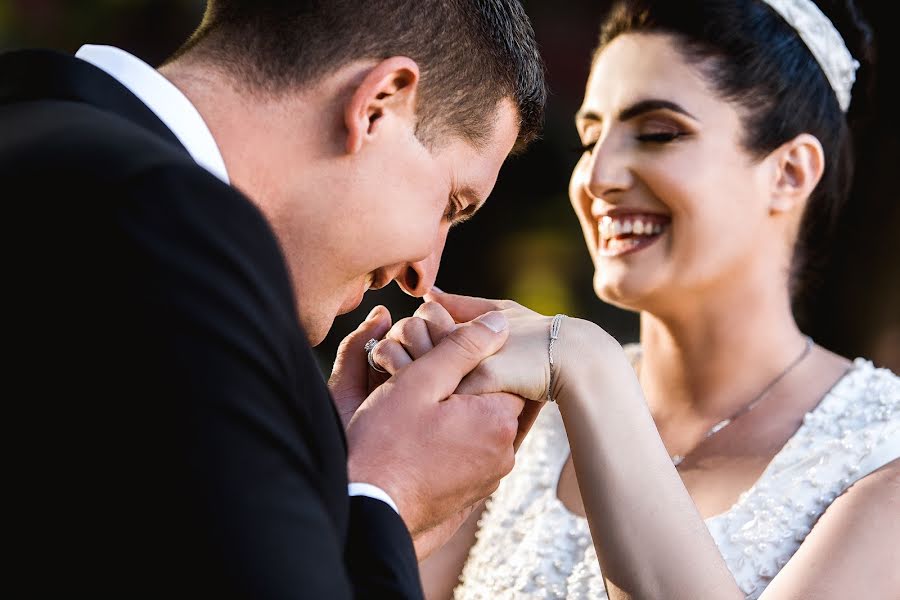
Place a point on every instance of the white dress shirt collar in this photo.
(166, 101)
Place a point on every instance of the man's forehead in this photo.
(476, 167)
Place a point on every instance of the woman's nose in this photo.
(609, 169)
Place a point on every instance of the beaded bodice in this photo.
(530, 546)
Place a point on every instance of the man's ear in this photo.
(390, 87)
(799, 164)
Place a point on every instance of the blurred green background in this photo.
(526, 244)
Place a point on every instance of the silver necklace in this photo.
(679, 458)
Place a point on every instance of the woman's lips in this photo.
(621, 234)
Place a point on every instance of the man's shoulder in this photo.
(81, 140)
(75, 157)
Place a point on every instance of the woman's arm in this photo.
(440, 572)
(649, 537)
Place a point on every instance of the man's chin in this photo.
(315, 326)
(315, 335)
(353, 301)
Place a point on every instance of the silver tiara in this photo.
(825, 43)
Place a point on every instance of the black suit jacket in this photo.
(173, 433)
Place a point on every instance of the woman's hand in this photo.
(411, 338)
(522, 366)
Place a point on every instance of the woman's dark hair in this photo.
(754, 58)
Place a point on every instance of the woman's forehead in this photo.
(639, 66)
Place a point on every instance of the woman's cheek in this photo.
(578, 183)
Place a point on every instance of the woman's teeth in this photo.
(612, 227)
(620, 234)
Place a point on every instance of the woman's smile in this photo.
(621, 234)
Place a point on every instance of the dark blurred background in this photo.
(526, 244)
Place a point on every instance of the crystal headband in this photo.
(825, 43)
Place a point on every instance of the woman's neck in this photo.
(710, 358)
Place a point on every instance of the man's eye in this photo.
(453, 210)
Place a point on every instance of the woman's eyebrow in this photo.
(635, 110)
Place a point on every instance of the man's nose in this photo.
(419, 277)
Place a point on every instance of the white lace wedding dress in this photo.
(530, 546)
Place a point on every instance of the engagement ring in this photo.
(370, 346)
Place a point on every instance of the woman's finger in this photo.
(412, 333)
(439, 322)
(466, 308)
(390, 356)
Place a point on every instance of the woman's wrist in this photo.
(583, 353)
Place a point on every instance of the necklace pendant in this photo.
(718, 426)
(677, 459)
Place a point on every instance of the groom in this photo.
(177, 239)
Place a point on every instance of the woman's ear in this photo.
(799, 164)
(390, 87)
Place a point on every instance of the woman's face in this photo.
(670, 203)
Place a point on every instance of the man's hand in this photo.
(408, 340)
(436, 452)
(351, 378)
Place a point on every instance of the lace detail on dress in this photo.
(530, 546)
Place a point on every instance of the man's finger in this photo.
(351, 364)
(463, 308)
(526, 419)
(436, 375)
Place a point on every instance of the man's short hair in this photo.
(471, 53)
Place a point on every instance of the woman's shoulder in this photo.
(867, 392)
(880, 376)
(856, 424)
(633, 352)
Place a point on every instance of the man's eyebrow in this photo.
(638, 108)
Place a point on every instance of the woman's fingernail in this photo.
(495, 321)
(374, 313)
(435, 288)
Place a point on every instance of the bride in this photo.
(727, 455)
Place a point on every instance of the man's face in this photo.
(398, 200)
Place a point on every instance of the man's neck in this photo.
(276, 150)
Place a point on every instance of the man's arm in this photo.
(234, 393)
(380, 554)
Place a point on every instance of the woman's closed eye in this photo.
(661, 137)
(653, 135)
(659, 133)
